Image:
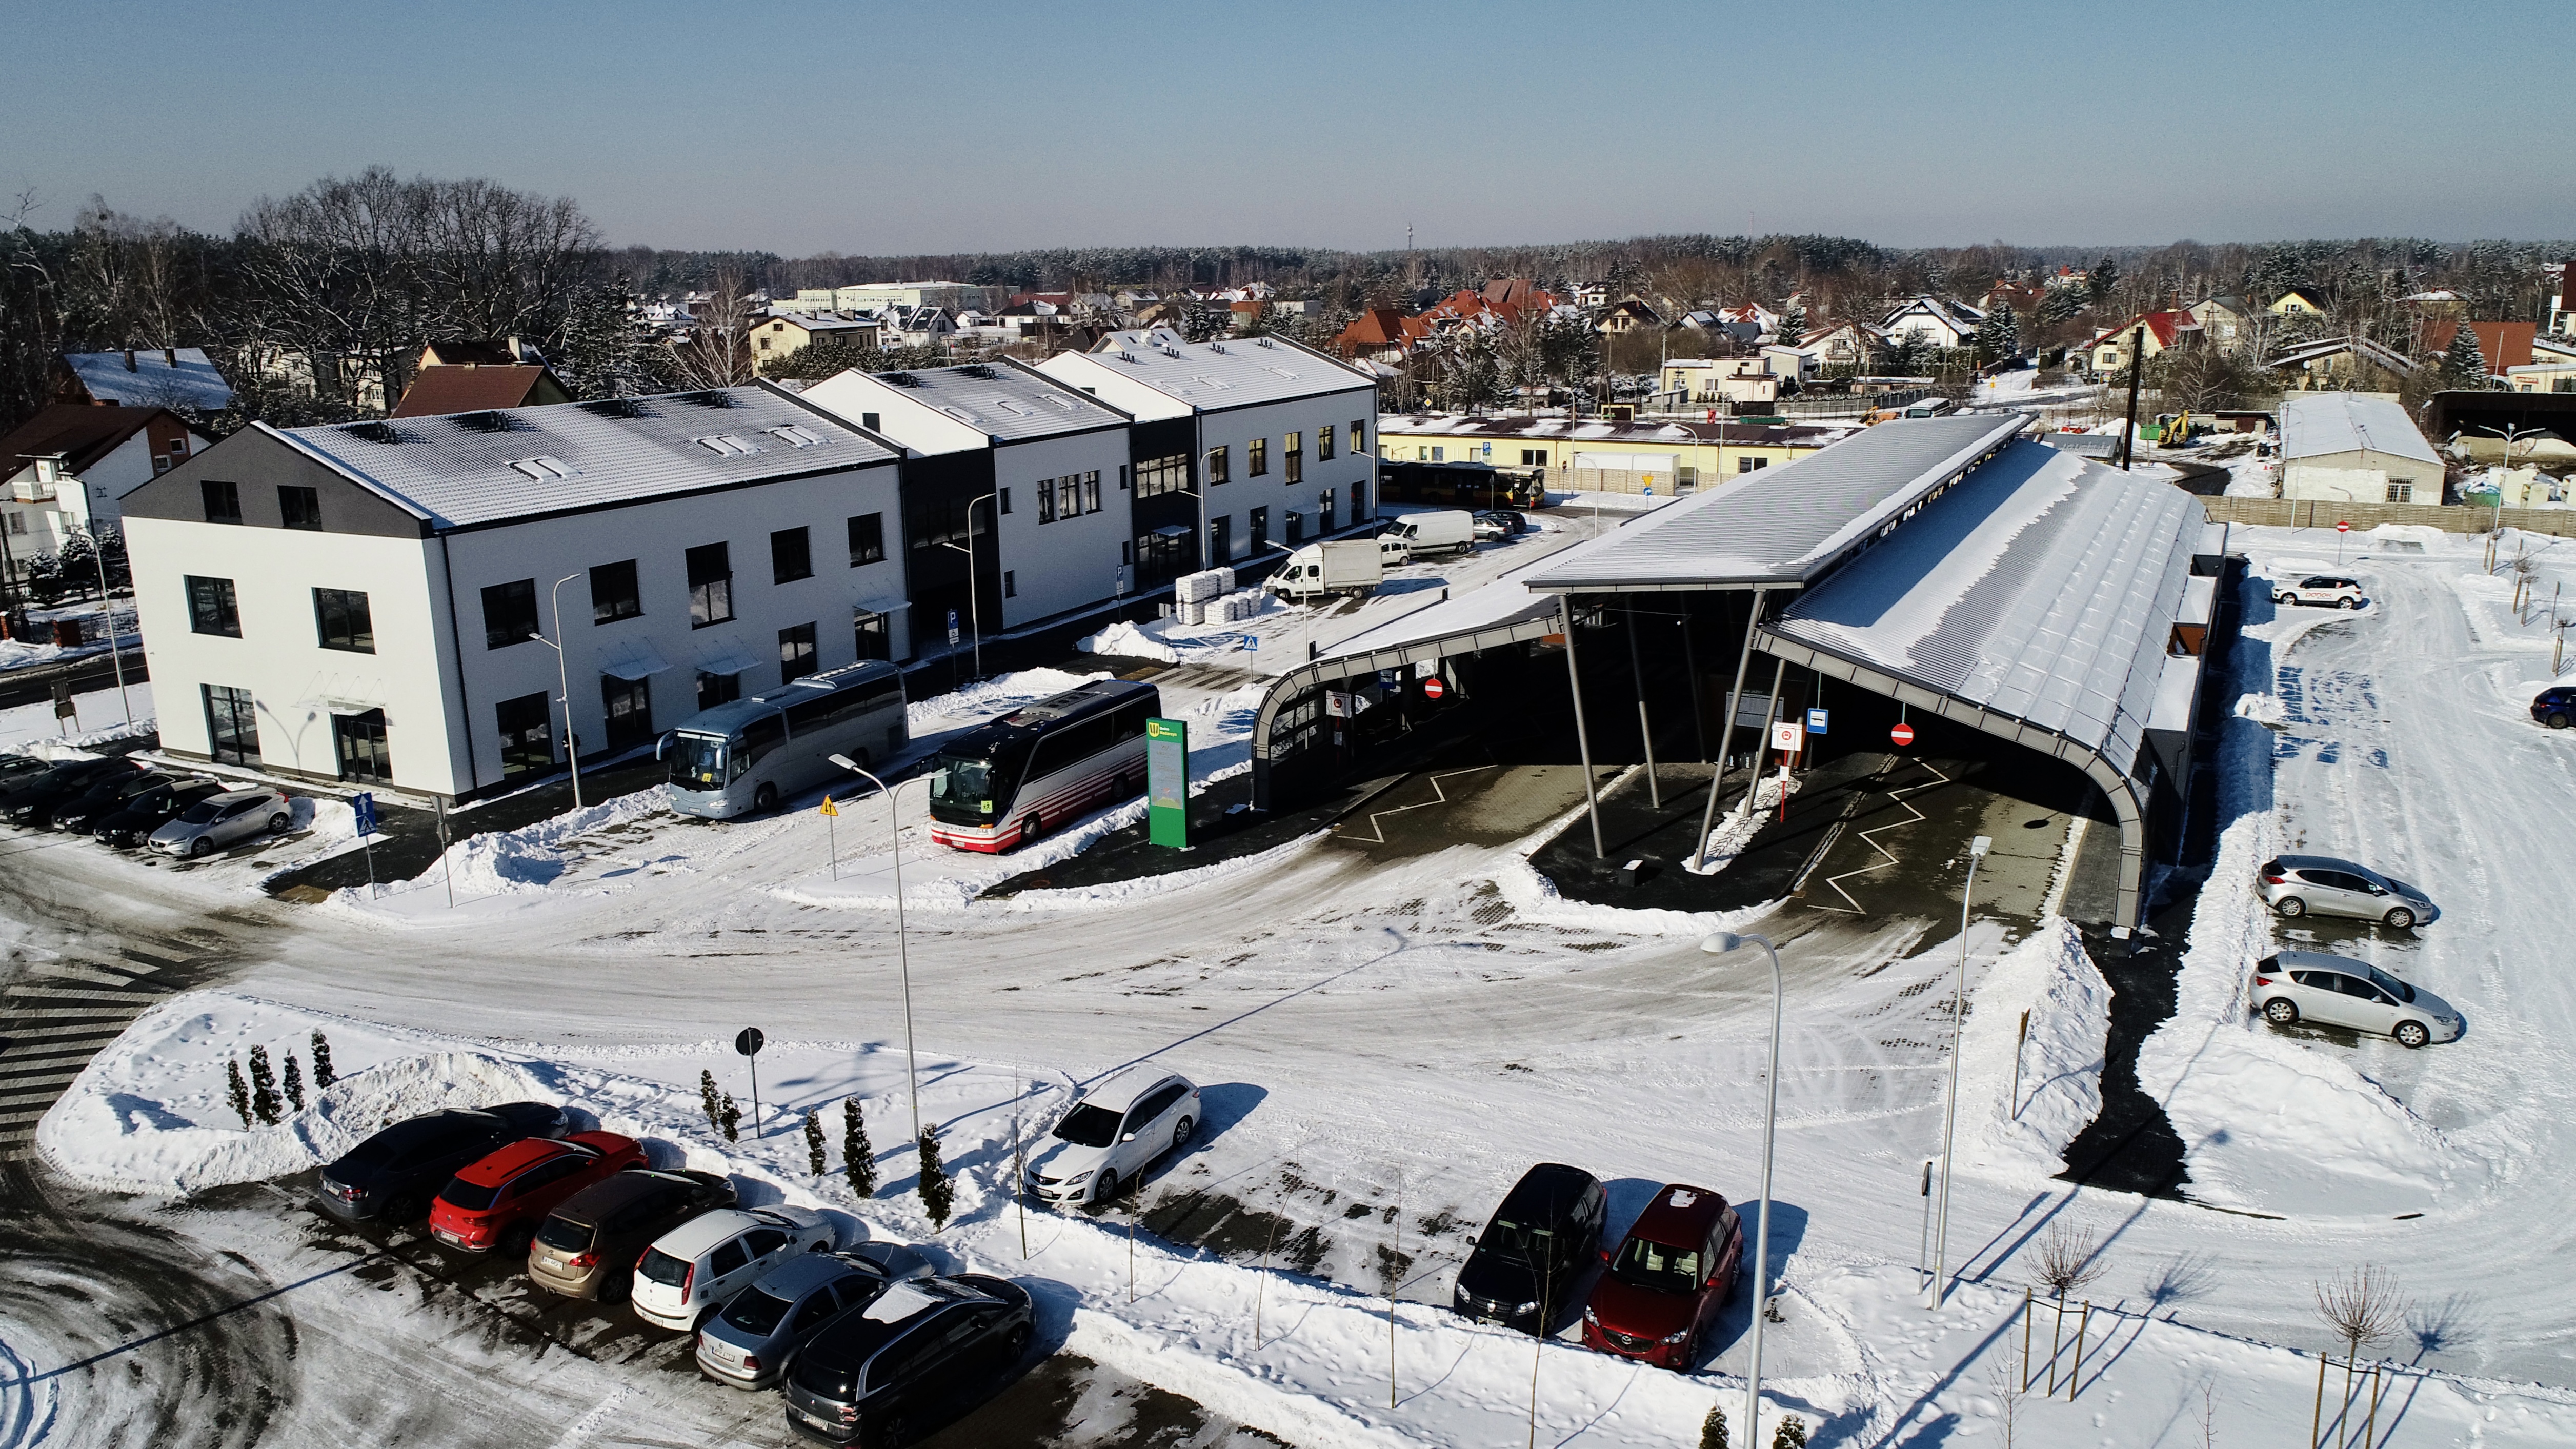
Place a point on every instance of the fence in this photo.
(2326, 513)
(1852, 405)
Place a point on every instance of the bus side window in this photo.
(1090, 737)
(1131, 720)
(759, 738)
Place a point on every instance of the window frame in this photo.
(709, 590)
(867, 539)
(804, 660)
(791, 549)
(1256, 457)
(214, 606)
(230, 514)
(306, 514)
(360, 636)
(493, 629)
(616, 608)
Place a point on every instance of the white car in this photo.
(695, 1268)
(2331, 590)
(219, 820)
(1113, 1133)
(2327, 990)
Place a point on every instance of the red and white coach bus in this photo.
(1007, 783)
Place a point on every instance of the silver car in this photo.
(219, 820)
(2296, 885)
(2325, 990)
(751, 1344)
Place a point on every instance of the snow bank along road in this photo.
(1428, 1030)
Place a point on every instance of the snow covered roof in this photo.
(1782, 527)
(463, 469)
(1009, 402)
(2042, 588)
(181, 377)
(2319, 424)
(1225, 374)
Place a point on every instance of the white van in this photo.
(1344, 566)
(1435, 535)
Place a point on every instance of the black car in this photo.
(391, 1176)
(1512, 520)
(2555, 706)
(81, 814)
(33, 803)
(873, 1375)
(1546, 1233)
(17, 770)
(134, 822)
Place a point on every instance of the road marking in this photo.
(1439, 797)
(1898, 796)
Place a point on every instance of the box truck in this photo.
(1349, 566)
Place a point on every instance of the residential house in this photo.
(782, 335)
(1937, 321)
(2019, 296)
(879, 296)
(1630, 314)
(2355, 447)
(2108, 352)
(1600, 455)
(1268, 442)
(1844, 344)
(69, 467)
(1031, 473)
(2226, 322)
(2562, 301)
(2439, 302)
(2300, 300)
(180, 378)
(917, 326)
(1787, 360)
(372, 602)
(462, 377)
(2336, 364)
(2067, 277)
(1720, 381)
(1380, 332)
(2505, 345)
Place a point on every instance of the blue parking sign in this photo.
(1816, 721)
(365, 805)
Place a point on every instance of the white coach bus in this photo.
(1005, 784)
(746, 756)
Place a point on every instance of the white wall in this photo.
(1071, 562)
(901, 415)
(1145, 404)
(1237, 498)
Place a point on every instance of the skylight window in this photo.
(796, 437)
(541, 469)
(728, 445)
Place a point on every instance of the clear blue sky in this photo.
(871, 128)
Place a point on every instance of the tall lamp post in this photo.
(903, 946)
(974, 594)
(563, 682)
(107, 606)
(1977, 849)
(1719, 945)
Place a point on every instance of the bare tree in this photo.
(2068, 1260)
(2005, 1383)
(718, 350)
(2361, 1308)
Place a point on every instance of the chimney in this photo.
(129, 359)
(170, 356)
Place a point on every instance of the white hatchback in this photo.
(2329, 990)
(1113, 1133)
(697, 1267)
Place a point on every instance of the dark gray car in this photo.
(753, 1341)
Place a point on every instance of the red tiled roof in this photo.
(2506, 344)
(82, 434)
(440, 390)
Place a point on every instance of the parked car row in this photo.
(1654, 1298)
(123, 804)
(2322, 989)
(861, 1340)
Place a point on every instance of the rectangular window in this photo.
(613, 593)
(1323, 445)
(1091, 491)
(527, 734)
(1010, 584)
(795, 652)
(366, 757)
(299, 507)
(1260, 533)
(867, 539)
(1293, 450)
(1158, 476)
(1359, 435)
(1046, 502)
(1748, 465)
(1439, 454)
(1068, 496)
(211, 608)
(628, 707)
(710, 585)
(1296, 528)
(509, 614)
(2401, 492)
(223, 500)
(1330, 506)
(232, 725)
(1220, 542)
(1533, 457)
(791, 556)
(341, 620)
(1005, 504)
(716, 689)
(876, 641)
(1256, 457)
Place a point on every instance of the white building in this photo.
(68, 466)
(2355, 447)
(1935, 320)
(1036, 472)
(371, 602)
(1272, 442)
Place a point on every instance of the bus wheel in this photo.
(1032, 826)
(764, 799)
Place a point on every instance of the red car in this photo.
(1666, 1283)
(498, 1202)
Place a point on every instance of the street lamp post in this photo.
(563, 682)
(1718, 945)
(974, 594)
(106, 605)
(1950, 1115)
(903, 947)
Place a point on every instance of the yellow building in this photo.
(1594, 455)
(784, 335)
(2298, 302)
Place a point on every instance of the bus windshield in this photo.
(961, 788)
(697, 762)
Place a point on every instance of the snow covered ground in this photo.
(1385, 1047)
(101, 718)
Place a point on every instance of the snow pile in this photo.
(1127, 641)
(26, 1415)
(2060, 1078)
(99, 720)
(511, 862)
(1736, 831)
(2423, 535)
(990, 698)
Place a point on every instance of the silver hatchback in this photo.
(219, 820)
(2327, 990)
(2297, 885)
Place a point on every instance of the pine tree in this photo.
(294, 1082)
(814, 1142)
(858, 1157)
(1793, 325)
(323, 1075)
(2464, 362)
(938, 1194)
(2106, 276)
(707, 1096)
(263, 1086)
(1792, 1434)
(1712, 1430)
(237, 1089)
(729, 1117)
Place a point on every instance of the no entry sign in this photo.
(2343, 528)
(1432, 688)
(1903, 734)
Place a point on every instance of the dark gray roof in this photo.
(155, 381)
(2042, 587)
(1004, 401)
(1781, 527)
(461, 469)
